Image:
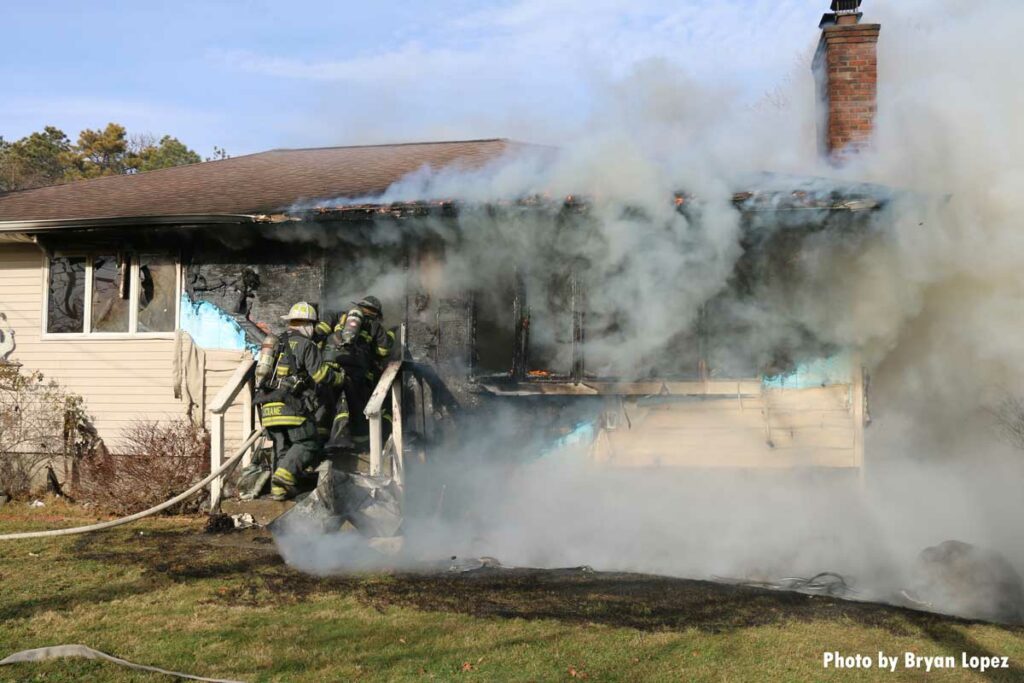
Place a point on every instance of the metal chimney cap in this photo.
(843, 12)
(846, 6)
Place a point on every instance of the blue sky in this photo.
(255, 75)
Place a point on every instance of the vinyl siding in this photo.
(121, 380)
(781, 428)
(220, 364)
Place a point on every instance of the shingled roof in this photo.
(264, 183)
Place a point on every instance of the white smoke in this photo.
(931, 298)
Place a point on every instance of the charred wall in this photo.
(257, 283)
(256, 278)
(440, 322)
(255, 273)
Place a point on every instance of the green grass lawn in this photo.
(163, 593)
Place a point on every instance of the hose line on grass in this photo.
(231, 462)
(42, 654)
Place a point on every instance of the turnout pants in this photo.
(297, 448)
(350, 427)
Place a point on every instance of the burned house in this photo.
(144, 293)
(148, 294)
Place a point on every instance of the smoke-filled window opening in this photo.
(529, 326)
(495, 325)
(111, 293)
(550, 308)
(604, 333)
(682, 357)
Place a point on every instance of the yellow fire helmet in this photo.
(301, 311)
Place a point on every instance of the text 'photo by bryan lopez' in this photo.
(912, 661)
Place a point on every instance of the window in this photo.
(66, 295)
(554, 334)
(551, 304)
(111, 310)
(112, 294)
(157, 283)
(529, 326)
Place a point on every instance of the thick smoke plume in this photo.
(930, 298)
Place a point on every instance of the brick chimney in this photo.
(846, 74)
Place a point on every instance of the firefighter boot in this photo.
(283, 485)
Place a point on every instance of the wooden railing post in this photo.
(241, 377)
(376, 448)
(398, 464)
(247, 418)
(216, 458)
(397, 396)
(375, 406)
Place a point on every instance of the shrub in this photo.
(156, 461)
(41, 425)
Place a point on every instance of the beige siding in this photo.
(121, 380)
(783, 428)
(220, 365)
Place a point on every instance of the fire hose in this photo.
(42, 654)
(220, 471)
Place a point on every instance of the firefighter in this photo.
(362, 346)
(288, 399)
(375, 338)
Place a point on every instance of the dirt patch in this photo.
(629, 600)
(257, 576)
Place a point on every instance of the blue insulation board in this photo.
(582, 433)
(211, 327)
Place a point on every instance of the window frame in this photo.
(133, 296)
(521, 366)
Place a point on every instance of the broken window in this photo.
(158, 294)
(495, 329)
(529, 326)
(550, 352)
(110, 293)
(65, 311)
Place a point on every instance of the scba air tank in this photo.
(265, 363)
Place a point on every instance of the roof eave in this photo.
(180, 220)
(746, 202)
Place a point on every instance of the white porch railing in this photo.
(242, 378)
(387, 385)
(374, 413)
